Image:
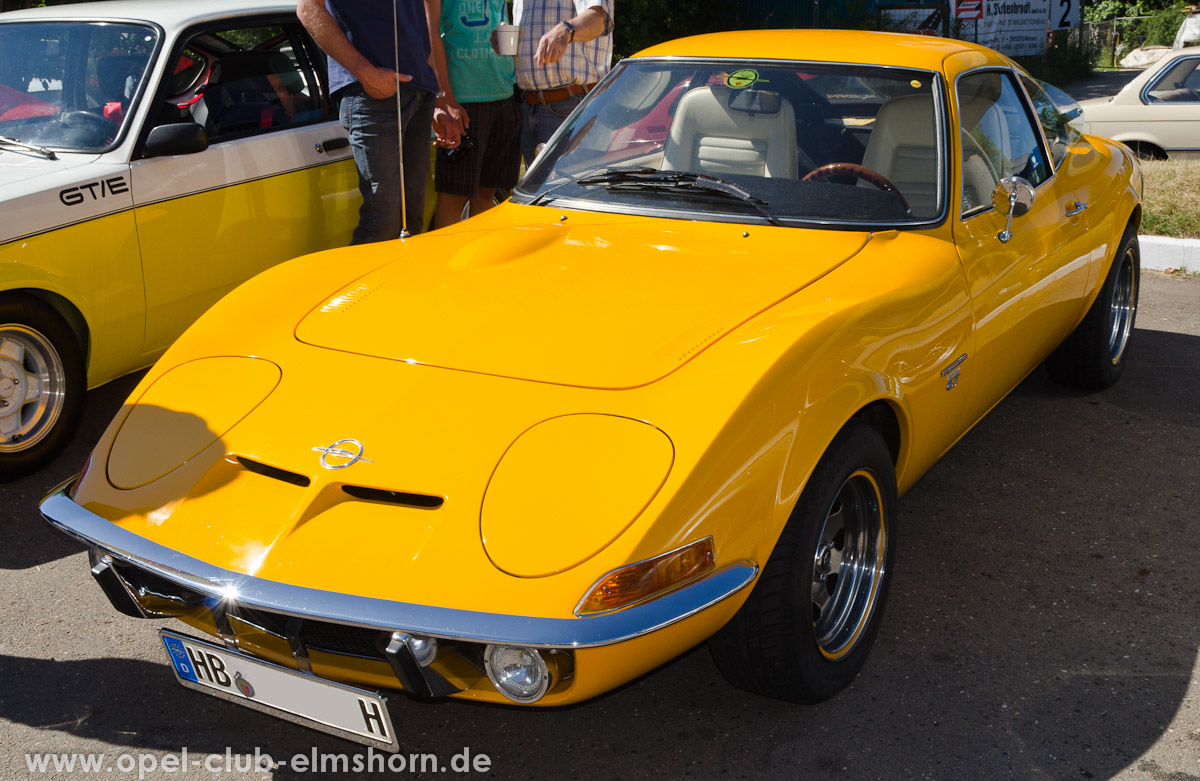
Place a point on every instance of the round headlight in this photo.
(424, 649)
(180, 415)
(596, 473)
(520, 674)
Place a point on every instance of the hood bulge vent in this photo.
(274, 472)
(424, 501)
(348, 298)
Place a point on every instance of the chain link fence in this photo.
(1112, 39)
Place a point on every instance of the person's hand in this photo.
(448, 130)
(380, 82)
(495, 41)
(552, 46)
(450, 122)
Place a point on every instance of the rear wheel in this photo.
(1093, 356)
(41, 385)
(806, 629)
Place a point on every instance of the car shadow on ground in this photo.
(1042, 622)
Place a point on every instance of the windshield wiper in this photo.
(633, 169)
(41, 150)
(649, 179)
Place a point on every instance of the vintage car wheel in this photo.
(1093, 356)
(41, 385)
(806, 629)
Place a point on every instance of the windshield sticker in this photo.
(915, 84)
(740, 79)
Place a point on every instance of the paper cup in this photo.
(506, 38)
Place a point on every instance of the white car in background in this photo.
(1157, 115)
(153, 155)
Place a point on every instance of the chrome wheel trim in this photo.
(848, 565)
(32, 387)
(1122, 306)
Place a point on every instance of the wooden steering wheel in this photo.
(857, 171)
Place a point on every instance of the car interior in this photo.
(1180, 83)
(241, 82)
(765, 128)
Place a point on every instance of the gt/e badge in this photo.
(102, 188)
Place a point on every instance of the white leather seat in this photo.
(986, 145)
(903, 147)
(718, 130)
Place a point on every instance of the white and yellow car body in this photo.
(111, 242)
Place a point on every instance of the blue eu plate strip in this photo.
(179, 657)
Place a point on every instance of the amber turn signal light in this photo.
(650, 578)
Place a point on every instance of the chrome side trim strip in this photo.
(373, 613)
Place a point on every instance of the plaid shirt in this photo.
(584, 63)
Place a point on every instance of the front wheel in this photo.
(806, 629)
(1093, 356)
(41, 385)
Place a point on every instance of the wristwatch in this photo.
(570, 28)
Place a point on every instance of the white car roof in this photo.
(170, 14)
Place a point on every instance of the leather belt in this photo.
(537, 97)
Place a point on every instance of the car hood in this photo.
(38, 195)
(21, 170)
(594, 304)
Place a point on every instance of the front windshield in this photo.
(786, 142)
(70, 86)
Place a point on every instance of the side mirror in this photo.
(177, 138)
(1013, 196)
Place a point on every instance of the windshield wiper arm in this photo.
(665, 181)
(41, 150)
(627, 170)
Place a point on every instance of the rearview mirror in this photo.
(177, 138)
(1013, 196)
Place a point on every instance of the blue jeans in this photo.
(540, 123)
(372, 126)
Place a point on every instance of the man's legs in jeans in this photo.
(372, 127)
(540, 123)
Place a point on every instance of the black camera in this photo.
(465, 145)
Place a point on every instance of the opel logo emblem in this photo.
(341, 454)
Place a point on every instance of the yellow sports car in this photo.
(750, 291)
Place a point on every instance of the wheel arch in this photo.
(1144, 147)
(64, 308)
(1135, 218)
(881, 416)
(873, 406)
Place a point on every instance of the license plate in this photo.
(354, 714)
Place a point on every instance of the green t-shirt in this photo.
(477, 74)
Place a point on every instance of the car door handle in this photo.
(1079, 207)
(329, 146)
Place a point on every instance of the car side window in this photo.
(247, 80)
(998, 138)
(1056, 126)
(1180, 83)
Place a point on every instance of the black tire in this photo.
(1093, 356)
(806, 629)
(37, 350)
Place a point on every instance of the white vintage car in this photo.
(1157, 114)
(153, 155)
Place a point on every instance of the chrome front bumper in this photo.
(112, 544)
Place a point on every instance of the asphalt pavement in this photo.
(1101, 84)
(1044, 623)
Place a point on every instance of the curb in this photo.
(1160, 253)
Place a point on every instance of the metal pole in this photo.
(399, 119)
